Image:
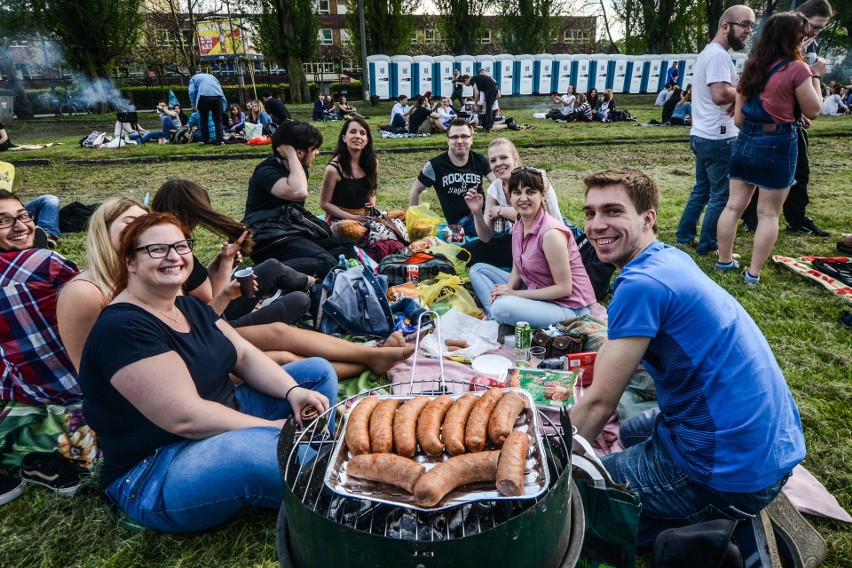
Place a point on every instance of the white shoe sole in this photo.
(807, 548)
(13, 494)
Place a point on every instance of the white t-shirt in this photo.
(709, 120)
(495, 190)
(567, 104)
(833, 105)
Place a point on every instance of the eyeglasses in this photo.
(745, 25)
(457, 137)
(25, 217)
(529, 169)
(161, 250)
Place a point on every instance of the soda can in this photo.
(523, 340)
(413, 273)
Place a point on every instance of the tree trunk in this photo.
(299, 92)
(715, 8)
(23, 108)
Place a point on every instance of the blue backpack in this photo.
(354, 301)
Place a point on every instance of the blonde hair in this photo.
(102, 258)
(509, 144)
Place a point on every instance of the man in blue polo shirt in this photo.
(727, 433)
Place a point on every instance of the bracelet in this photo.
(815, 76)
(287, 396)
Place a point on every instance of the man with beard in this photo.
(713, 134)
(453, 174)
(275, 205)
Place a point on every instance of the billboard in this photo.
(219, 38)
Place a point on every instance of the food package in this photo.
(480, 335)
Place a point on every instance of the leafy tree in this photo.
(529, 26)
(461, 24)
(659, 26)
(387, 24)
(14, 21)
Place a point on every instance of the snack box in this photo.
(584, 362)
(548, 388)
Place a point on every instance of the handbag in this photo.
(383, 228)
(559, 345)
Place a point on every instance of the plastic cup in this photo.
(246, 280)
(536, 356)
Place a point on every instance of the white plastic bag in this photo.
(481, 335)
(253, 130)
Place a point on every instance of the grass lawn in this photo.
(799, 319)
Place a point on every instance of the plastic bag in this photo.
(445, 292)
(481, 336)
(460, 257)
(253, 130)
(421, 222)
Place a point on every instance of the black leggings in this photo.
(272, 275)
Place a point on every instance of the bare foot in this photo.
(395, 339)
(387, 356)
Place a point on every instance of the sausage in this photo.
(386, 468)
(455, 472)
(513, 461)
(503, 418)
(477, 423)
(381, 426)
(405, 425)
(358, 426)
(455, 421)
(460, 343)
(429, 424)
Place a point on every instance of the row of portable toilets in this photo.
(540, 74)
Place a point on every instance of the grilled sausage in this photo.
(429, 424)
(460, 343)
(503, 418)
(405, 425)
(510, 468)
(386, 468)
(455, 472)
(358, 426)
(381, 426)
(455, 421)
(477, 423)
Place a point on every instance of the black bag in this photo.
(395, 266)
(704, 545)
(74, 217)
(286, 222)
(269, 129)
(182, 135)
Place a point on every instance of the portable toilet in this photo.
(543, 73)
(442, 75)
(402, 70)
(467, 65)
(739, 61)
(582, 71)
(599, 72)
(423, 75)
(562, 64)
(618, 76)
(687, 70)
(668, 59)
(504, 65)
(486, 62)
(652, 80)
(380, 75)
(524, 74)
(635, 73)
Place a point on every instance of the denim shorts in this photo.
(766, 155)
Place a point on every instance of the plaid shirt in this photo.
(34, 366)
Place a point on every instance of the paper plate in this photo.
(490, 364)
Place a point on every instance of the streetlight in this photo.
(365, 70)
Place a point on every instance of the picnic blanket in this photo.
(20, 147)
(804, 267)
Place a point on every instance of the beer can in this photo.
(413, 273)
(523, 340)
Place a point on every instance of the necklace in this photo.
(165, 315)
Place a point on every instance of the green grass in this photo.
(798, 319)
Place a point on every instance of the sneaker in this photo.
(749, 279)
(726, 267)
(41, 239)
(54, 471)
(691, 244)
(798, 541)
(843, 247)
(807, 227)
(10, 488)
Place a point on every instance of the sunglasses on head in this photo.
(529, 169)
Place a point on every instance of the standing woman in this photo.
(775, 82)
(548, 282)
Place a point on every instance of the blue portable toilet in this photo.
(467, 65)
(668, 59)
(402, 71)
(380, 76)
(600, 71)
(505, 73)
(652, 81)
(739, 61)
(562, 64)
(618, 73)
(581, 73)
(524, 74)
(543, 73)
(486, 62)
(442, 75)
(687, 68)
(635, 73)
(423, 75)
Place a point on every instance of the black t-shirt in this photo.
(416, 118)
(451, 182)
(125, 334)
(276, 109)
(483, 82)
(265, 175)
(197, 277)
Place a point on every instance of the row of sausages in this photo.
(381, 425)
(505, 467)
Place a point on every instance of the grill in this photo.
(128, 116)
(318, 527)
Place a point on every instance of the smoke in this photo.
(93, 92)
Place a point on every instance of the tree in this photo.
(461, 24)
(659, 26)
(387, 24)
(529, 26)
(14, 21)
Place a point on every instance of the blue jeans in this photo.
(193, 485)
(712, 164)
(669, 497)
(46, 212)
(168, 126)
(469, 225)
(512, 309)
(147, 136)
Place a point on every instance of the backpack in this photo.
(395, 266)
(182, 135)
(269, 129)
(353, 300)
(74, 217)
(93, 140)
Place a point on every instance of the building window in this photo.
(431, 36)
(576, 36)
(486, 37)
(344, 35)
(325, 36)
(323, 6)
(415, 37)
